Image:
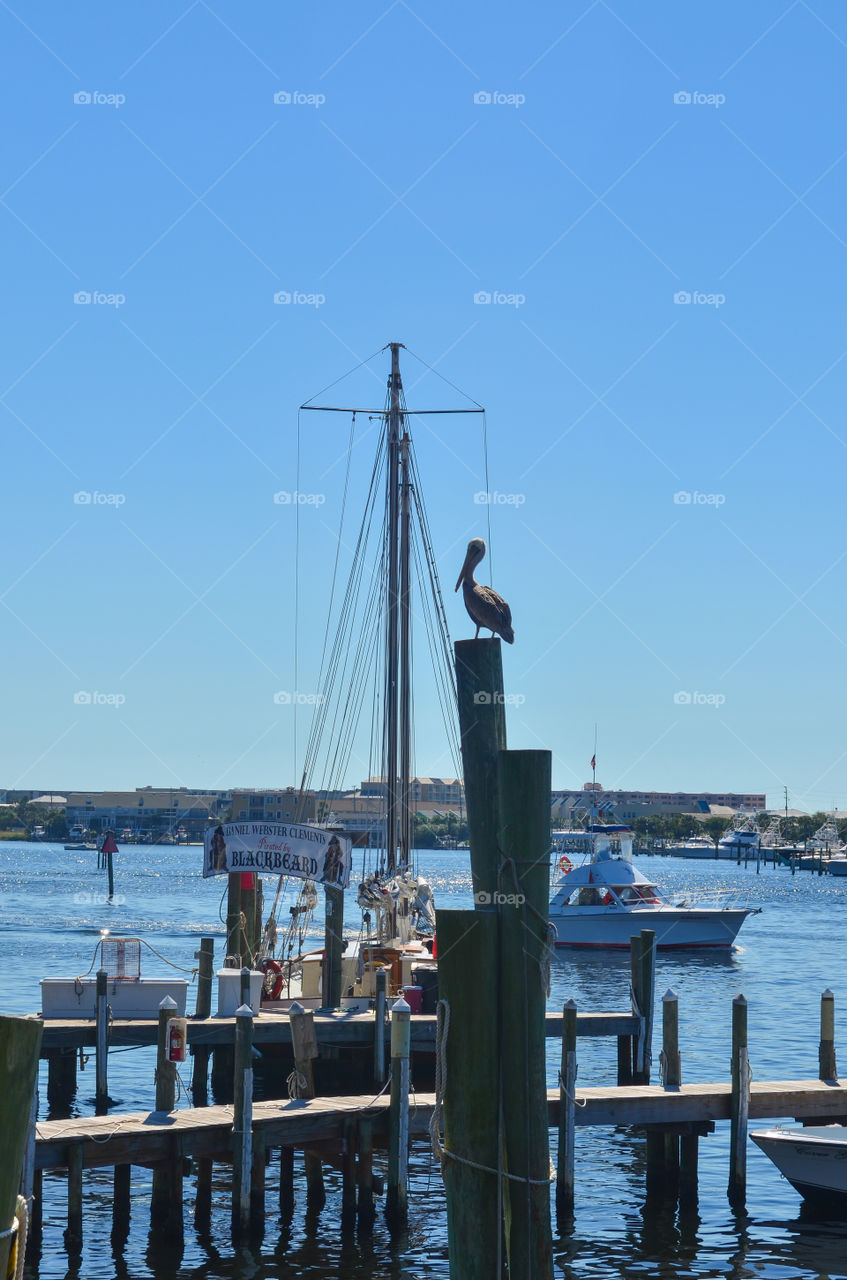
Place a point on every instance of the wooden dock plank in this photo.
(146, 1137)
(339, 1029)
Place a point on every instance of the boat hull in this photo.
(814, 1161)
(675, 928)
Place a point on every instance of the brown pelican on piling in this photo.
(485, 607)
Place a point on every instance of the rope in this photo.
(19, 1230)
(296, 1081)
(573, 1099)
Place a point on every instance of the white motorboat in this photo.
(607, 900)
(741, 839)
(695, 847)
(813, 1159)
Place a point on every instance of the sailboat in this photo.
(373, 623)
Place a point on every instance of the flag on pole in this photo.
(593, 762)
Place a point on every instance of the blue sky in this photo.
(586, 165)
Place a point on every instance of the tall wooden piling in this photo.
(101, 1050)
(121, 1202)
(348, 1178)
(482, 724)
(567, 1116)
(242, 1121)
(379, 1025)
(739, 1104)
(333, 946)
(364, 1175)
(827, 1069)
(236, 943)
(468, 1083)
(200, 1053)
(73, 1231)
(305, 1047)
(20, 1043)
(396, 1207)
(671, 1079)
(524, 783)
(166, 1200)
(643, 967)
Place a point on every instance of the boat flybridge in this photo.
(607, 900)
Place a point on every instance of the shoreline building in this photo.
(148, 812)
(629, 805)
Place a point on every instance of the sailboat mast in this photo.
(392, 646)
(405, 833)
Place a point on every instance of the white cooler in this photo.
(229, 991)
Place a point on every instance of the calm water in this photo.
(53, 911)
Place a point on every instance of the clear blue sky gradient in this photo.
(596, 199)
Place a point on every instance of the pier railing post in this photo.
(379, 1025)
(166, 1201)
(826, 1051)
(739, 1104)
(101, 1050)
(396, 1208)
(242, 1121)
(567, 1115)
(305, 1047)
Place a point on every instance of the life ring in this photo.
(565, 864)
(272, 985)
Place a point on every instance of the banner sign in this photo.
(278, 848)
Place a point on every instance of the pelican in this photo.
(485, 607)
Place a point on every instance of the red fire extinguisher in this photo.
(176, 1038)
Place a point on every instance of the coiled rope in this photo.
(19, 1230)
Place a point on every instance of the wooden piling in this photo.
(524, 783)
(200, 1054)
(121, 1202)
(826, 1050)
(203, 1194)
(110, 868)
(242, 1121)
(672, 1062)
(396, 1207)
(567, 1109)
(61, 1079)
(305, 1046)
(739, 1104)
(257, 1184)
(379, 1025)
(166, 1200)
(689, 1145)
(20, 1042)
(333, 945)
(286, 1183)
(236, 944)
(73, 1232)
(468, 943)
(482, 724)
(364, 1175)
(642, 965)
(101, 1090)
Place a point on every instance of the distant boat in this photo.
(740, 838)
(695, 847)
(813, 1159)
(77, 840)
(607, 900)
